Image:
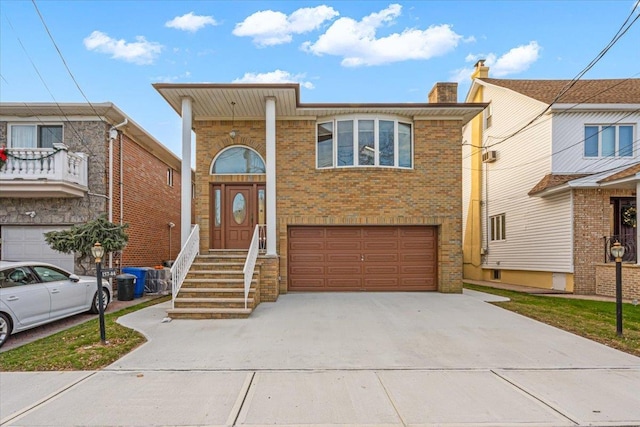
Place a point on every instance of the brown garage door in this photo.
(369, 258)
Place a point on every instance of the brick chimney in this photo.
(444, 93)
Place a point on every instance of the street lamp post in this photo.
(98, 252)
(617, 250)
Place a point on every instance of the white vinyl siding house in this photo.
(569, 140)
(560, 169)
(538, 231)
(467, 167)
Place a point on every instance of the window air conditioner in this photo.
(489, 156)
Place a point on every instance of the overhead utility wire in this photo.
(605, 159)
(480, 148)
(24, 49)
(622, 31)
(64, 61)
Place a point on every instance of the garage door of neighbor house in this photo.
(363, 258)
(26, 243)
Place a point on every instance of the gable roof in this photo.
(606, 91)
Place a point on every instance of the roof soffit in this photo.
(214, 102)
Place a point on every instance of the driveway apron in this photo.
(376, 359)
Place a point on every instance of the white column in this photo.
(270, 119)
(637, 227)
(185, 189)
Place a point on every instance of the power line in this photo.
(63, 60)
(621, 32)
(605, 159)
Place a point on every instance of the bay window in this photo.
(349, 142)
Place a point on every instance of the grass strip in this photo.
(595, 320)
(78, 348)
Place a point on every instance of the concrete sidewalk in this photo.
(329, 359)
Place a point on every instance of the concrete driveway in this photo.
(327, 359)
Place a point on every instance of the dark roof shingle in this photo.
(631, 171)
(552, 180)
(607, 91)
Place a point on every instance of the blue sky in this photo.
(341, 51)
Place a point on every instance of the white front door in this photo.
(26, 243)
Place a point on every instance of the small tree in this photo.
(79, 239)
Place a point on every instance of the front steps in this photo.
(214, 288)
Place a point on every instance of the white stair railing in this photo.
(258, 242)
(183, 262)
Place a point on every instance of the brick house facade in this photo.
(132, 188)
(422, 198)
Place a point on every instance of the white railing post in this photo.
(252, 256)
(58, 167)
(183, 262)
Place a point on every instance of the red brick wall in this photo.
(149, 204)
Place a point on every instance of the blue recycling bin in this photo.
(141, 277)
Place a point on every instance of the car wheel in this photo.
(5, 328)
(96, 302)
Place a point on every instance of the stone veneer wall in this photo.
(87, 137)
(428, 194)
(592, 221)
(606, 280)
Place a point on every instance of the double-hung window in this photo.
(608, 141)
(34, 136)
(366, 141)
(498, 227)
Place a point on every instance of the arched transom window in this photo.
(238, 160)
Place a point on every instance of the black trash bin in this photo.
(126, 286)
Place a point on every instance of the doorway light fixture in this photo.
(233, 132)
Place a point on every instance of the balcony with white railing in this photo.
(43, 172)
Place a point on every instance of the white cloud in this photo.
(277, 76)
(356, 41)
(140, 52)
(461, 75)
(190, 22)
(171, 79)
(269, 28)
(514, 61)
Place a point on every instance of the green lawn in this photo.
(78, 348)
(595, 320)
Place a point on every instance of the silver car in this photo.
(35, 293)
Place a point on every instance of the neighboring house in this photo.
(551, 181)
(71, 163)
(355, 197)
